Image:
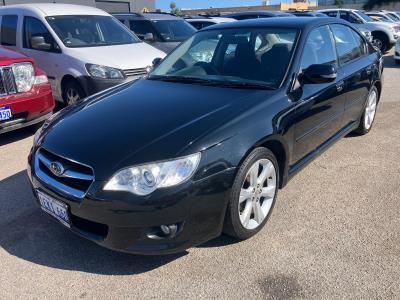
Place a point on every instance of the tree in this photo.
(372, 3)
(339, 3)
(175, 10)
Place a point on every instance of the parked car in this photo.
(394, 15)
(245, 15)
(163, 31)
(231, 132)
(312, 13)
(381, 16)
(25, 92)
(82, 49)
(306, 13)
(384, 34)
(397, 53)
(200, 22)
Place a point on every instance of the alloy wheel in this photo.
(370, 110)
(257, 194)
(72, 96)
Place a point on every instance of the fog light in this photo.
(164, 232)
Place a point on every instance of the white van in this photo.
(82, 49)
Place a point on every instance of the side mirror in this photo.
(149, 37)
(156, 62)
(319, 74)
(39, 43)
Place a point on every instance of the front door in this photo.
(319, 115)
(46, 59)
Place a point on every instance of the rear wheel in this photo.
(397, 61)
(253, 194)
(72, 92)
(368, 117)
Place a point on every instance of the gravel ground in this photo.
(334, 233)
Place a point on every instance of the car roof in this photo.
(148, 16)
(267, 13)
(337, 9)
(285, 22)
(55, 9)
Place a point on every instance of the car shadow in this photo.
(30, 234)
(388, 62)
(16, 135)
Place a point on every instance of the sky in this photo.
(164, 4)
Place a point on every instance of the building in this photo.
(107, 5)
(282, 6)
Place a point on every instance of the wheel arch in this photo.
(277, 145)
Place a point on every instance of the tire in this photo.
(251, 202)
(369, 112)
(397, 61)
(381, 41)
(72, 92)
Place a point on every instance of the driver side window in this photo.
(319, 49)
(35, 28)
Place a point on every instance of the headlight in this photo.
(145, 179)
(24, 76)
(104, 72)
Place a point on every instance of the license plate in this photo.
(55, 208)
(5, 113)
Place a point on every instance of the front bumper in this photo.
(28, 108)
(124, 222)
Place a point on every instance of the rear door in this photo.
(320, 111)
(358, 67)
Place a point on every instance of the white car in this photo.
(200, 22)
(82, 49)
(397, 53)
(384, 34)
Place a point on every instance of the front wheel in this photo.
(368, 116)
(381, 41)
(253, 194)
(72, 93)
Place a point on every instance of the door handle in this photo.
(340, 86)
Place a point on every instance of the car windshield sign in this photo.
(91, 31)
(242, 58)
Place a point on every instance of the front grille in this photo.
(136, 72)
(74, 179)
(7, 82)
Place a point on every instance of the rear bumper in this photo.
(28, 108)
(124, 222)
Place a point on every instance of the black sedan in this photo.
(202, 145)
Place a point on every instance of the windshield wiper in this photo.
(221, 83)
(183, 79)
(246, 85)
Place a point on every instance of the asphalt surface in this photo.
(334, 233)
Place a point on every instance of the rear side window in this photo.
(319, 48)
(331, 13)
(140, 28)
(9, 30)
(349, 44)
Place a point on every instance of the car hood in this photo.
(129, 56)
(371, 26)
(166, 47)
(144, 121)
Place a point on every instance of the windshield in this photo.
(90, 31)
(365, 17)
(174, 30)
(250, 57)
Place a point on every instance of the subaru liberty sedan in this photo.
(202, 145)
